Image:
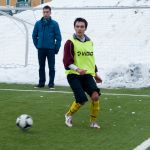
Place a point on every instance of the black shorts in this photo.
(81, 84)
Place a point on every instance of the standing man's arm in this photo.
(58, 38)
(35, 35)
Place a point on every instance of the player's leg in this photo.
(79, 94)
(95, 107)
(94, 92)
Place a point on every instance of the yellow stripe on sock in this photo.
(74, 108)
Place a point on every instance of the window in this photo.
(42, 1)
(7, 2)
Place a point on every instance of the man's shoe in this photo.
(68, 120)
(51, 87)
(94, 125)
(39, 86)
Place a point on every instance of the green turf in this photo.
(120, 129)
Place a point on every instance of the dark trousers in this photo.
(50, 55)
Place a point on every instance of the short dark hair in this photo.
(81, 20)
(47, 7)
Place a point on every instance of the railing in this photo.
(26, 29)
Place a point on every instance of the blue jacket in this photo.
(46, 35)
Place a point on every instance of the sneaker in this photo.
(94, 125)
(51, 87)
(68, 120)
(39, 86)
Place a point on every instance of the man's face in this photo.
(46, 13)
(80, 28)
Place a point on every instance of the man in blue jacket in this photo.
(47, 39)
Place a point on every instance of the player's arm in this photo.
(68, 58)
(97, 77)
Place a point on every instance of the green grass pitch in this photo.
(121, 128)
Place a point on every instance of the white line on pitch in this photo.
(42, 91)
(144, 145)
(67, 92)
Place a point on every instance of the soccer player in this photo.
(81, 70)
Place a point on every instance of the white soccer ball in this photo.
(24, 122)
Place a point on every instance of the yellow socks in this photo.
(74, 108)
(94, 110)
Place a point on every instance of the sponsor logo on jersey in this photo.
(84, 53)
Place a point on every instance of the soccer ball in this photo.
(24, 122)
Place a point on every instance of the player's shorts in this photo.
(81, 84)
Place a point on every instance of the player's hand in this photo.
(98, 78)
(81, 71)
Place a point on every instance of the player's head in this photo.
(80, 26)
(46, 11)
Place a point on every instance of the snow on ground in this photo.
(121, 41)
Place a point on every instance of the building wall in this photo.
(35, 2)
(2, 2)
(47, 1)
(13, 2)
(38, 2)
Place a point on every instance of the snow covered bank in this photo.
(121, 41)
